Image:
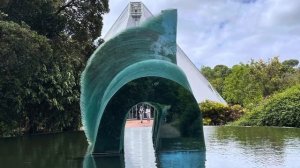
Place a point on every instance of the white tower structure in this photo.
(136, 13)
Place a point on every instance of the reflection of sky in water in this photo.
(138, 148)
(252, 147)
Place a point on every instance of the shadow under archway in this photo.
(178, 114)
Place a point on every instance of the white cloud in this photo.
(228, 32)
(282, 13)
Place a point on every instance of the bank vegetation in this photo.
(44, 46)
(266, 92)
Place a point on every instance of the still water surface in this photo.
(232, 147)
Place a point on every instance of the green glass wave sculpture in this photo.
(138, 65)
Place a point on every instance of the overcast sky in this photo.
(228, 32)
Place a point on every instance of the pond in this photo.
(249, 147)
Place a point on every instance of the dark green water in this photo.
(250, 147)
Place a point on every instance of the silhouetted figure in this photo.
(148, 113)
(141, 112)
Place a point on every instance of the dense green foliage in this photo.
(79, 20)
(291, 63)
(248, 84)
(281, 109)
(75, 23)
(251, 85)
(38, 87)
(216, 75)
(17, 46)
(43, 49)
(215, 113)
(239, 86)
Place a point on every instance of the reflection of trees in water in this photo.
(257, 135)
(52, 150)
(258, 141)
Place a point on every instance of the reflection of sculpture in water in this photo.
(141, 113)
(167, 159)
(115, 161)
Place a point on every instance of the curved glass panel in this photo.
(145, 51)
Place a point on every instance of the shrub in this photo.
(281, 109)
(215, 113)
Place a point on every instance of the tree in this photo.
(2, 15)
(39, 15)
(18, 44)
(80, 21)
(44, 55)
(291, 62)
(3, 3)
(84, 18)
(216, 76)
(240, 88)
(220, 73)
(272, 75)
(38, 88)
(208, 73)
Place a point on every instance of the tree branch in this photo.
(69, 4)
